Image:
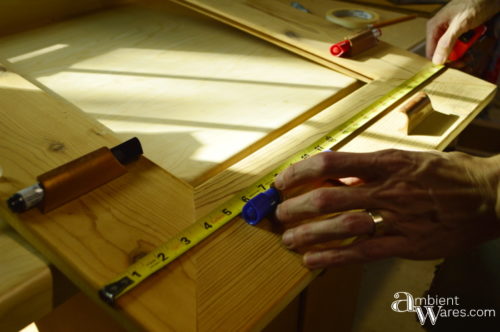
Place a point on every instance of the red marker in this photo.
(365, 39)
(356, 44)
(341, 49)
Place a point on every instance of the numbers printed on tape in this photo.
(197, 232)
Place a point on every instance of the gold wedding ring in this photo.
(378, 221)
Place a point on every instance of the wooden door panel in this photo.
(117, 73)
(198, 94)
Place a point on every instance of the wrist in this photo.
(484, 176)
(495, 164)
(490, 180)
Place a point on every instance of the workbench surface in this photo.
(89, 87)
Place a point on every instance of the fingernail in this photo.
(287, 239)
(438, 59)
(278, 182)
(277, 213)
(312, 260)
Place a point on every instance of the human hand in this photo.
(432, 204)
(456, 18)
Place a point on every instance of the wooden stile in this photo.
(241, 277)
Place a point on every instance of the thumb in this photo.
(445, 44)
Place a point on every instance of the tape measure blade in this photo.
(204, 227)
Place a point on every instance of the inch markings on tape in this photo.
(204, 227)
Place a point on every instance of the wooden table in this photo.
(183, 84)
(426, 10)
(26, 282)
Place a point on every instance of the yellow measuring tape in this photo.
(201, 229)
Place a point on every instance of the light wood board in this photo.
(310, 35)
(25, 282)
(217, 282)
(50, 132)
(458, 109)
(241, 277)
(94, 238)
(423, 9)
(20, 15)
(196, 93)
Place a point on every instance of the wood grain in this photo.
(423, 9)
(94, 238)
(457, 106)
(78, 314)
(184, 84)
(335, 312)
(25, 283)
(20, 15)
(242, 276)
(310, 35)
(456, 99)
(99, 235)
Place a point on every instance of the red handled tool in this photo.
(465, 41)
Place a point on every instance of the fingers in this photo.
(445, 44)
(342, 226)
(323, 201)
(351, 181)
(434, 31)
(454, 19)
(327, 165)
(436, 27)
(363, 251)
